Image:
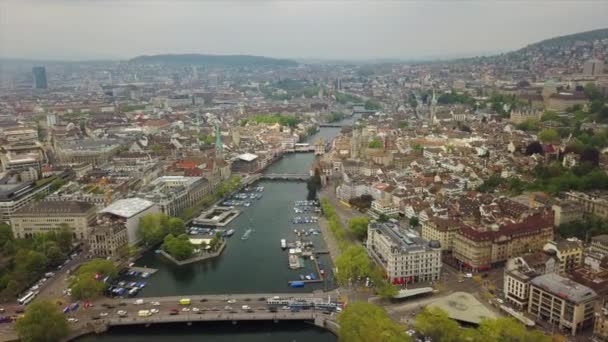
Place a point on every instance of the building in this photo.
(108, 237)
(20, 135)
(567, 211)
(518, 116)
(442, 230)
(403, 255)
(47, 216)
(593, 67)
(599, 244)
(93, 151)
(14, 196)
(562, 101)
(245, 163)
(562, 302)
(130, 210)
(39, 77)
(479, 249)
(174, 194)
(518, 273)
(594, 204)
(384, 207)
(569, 253)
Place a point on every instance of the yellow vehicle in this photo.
(144, 313)
(184, 301)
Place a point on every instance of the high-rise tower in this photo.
(39, 77)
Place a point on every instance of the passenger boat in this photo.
(283, 244)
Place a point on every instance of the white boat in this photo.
(283, 244)
(247, 233)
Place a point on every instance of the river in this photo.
(255, 265)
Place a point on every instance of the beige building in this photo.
(46, 216)
(518, 273)
(518, 116)
(595, 203)
(563, 302)
(442, 230)
(599, 244)
(479, 249)
(600, 327)
(402, 254)
(567, 211)
(174, 194)
(569, 253)
(108, 238)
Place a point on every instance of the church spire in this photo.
(219, 146)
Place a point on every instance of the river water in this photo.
(255, 265)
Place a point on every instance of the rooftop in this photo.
(462, 306)
(128, 207)
(56, 207)
(247, 157)
(407, 241)
(564, 287)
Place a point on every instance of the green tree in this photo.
(383, 218)
(414, 221)
(548, 136)
(403, 124)
(435, 323)
(176, 226)
(376, 143)
(42, 322)
(178, 247)
(351, 264)
(30, 265)
(358, 226)
(65, 238)
(100, 266)
(54, 254)
(6, 240)
(372, 104)
(85, 286)
(364, 322)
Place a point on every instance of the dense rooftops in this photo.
(55, 208)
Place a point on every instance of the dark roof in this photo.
(55, 207)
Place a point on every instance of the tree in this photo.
(176, 226)
(358, 226)
(372, 104)
(549, 136)
(65, 238)
(534, 148)
(414, 221)
(54, 254)
(178, 247)
(99, 266)
(351, 264)
(42, 322)
(6, 240)
(435, 323)
(376, 143)
(29, 265)
(363, 322)
(313, 184)
(403, 124)
(88, 280)
(383, 218)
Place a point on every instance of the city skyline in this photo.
(361, 31)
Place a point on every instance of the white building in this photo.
(174, 194)
(403, 255)
(131, 210)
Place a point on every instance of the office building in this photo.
(403, 255)
(108, 237)
(47, 216)
(174, 194)
(593, 67)
(129, 210)
(39, 77)
(562, 302)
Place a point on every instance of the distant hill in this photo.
(569, 40)
(213, 60)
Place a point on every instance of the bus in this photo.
(26, 299)
(184, 301)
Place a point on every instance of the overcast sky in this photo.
(93, 29)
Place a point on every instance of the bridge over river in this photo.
(285, 176)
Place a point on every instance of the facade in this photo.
(479, 250)
(16, 196)
(595, 203)
(130, 210)
(563, 302)
(384, 207)
(47, 216)
(93, 151)
(599, 244)
(108, 237)
(567, 211)
(39, 77)
(442, 230)
(403, 255)
(569, 253)
(518, 273)
(593, 67)
(174, 194)
(519, 116)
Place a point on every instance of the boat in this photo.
(283, 244)
(230, 232)
(297, 284)
(307, 277)
(247, 233)
(301, 277)
(294, 261)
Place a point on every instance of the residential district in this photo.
(482, 182)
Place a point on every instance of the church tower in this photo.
(432, 105)
(355, 143)
(219, 146)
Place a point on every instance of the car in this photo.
(138, 302)
(247, 299)
(185, 309)
(231, 301)
(95, 318)
(233, 311)
(20, 311)
(103, 314)
(286, 308)
(262, 299)
(122, 304)
(411, 332)
(272, 309)
(195, 309)
(215, 309)
(73, 320)
(227, 308)
(122, 313)
(110, 306)
(2, 310)
(154, 311)
(174, 312)
(156, 303)
(203, 300)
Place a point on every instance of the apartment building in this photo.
(519, 271)
(569, 252)
(47, 216)
(594, 203)
(108, 237)
(479, 249)
(403, 255)
(174, 194)
(599, 244)
(562, 302)
(442, 230)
